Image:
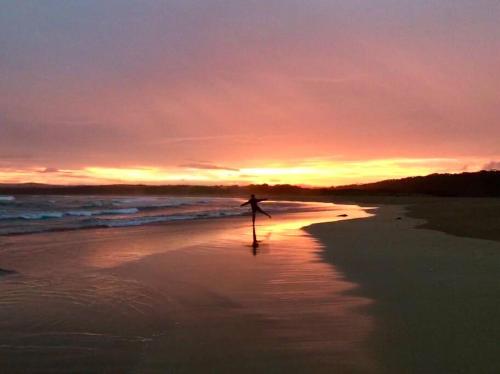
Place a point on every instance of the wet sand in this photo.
(436, 296)
(182, 297)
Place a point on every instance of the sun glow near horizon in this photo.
(207, 92)
(311, 172)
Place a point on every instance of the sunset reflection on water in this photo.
(188, 289)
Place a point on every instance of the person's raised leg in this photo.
(264, 213)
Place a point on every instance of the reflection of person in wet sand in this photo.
(254, 204)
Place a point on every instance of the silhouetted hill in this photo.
(483, 183)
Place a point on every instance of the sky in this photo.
(310, 92)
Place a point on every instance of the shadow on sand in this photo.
(6, 272)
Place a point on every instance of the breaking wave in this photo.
(34, 214)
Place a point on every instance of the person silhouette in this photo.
(254, 204)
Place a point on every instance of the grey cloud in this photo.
(49, 170)
(492, 165)
(197, 165)
(15, 156)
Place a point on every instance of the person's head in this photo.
(253, 196)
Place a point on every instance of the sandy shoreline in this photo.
(181, 297)
(436, 295)
(468, 217)
(380, 294)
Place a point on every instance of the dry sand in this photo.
(437, 296)
(465, 217)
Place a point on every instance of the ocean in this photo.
(27, 214)
(196, 294)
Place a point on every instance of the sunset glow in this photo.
(309, 172)
(310, 93)
(261, 186)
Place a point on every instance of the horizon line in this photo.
(303, 186)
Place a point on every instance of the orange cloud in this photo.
(314, 172)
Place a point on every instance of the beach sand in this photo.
(437, 296)
(460, 216)
(377, 294)
(181, 297)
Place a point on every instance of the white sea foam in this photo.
(165, 218)
(7, 198)
(119, 211)
(144, 220)
(41, 215)
(90, 213)
(80, 213)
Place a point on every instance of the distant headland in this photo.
(468, 184)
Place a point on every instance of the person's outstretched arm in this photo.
(248, 202)
(259, 200)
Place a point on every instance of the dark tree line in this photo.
(483, 183)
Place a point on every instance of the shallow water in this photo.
(182, 297)
(27, 214)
